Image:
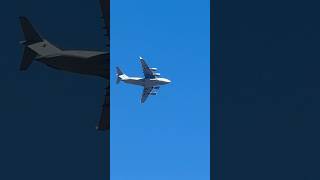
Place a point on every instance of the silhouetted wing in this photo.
(105, 10)
(104, 122)
(145, 94)
(146, 70)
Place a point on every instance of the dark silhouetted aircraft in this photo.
(94, 63)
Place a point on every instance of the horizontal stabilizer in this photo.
(119, 72)
(118, 80)
(30, 34)
(120, 75)
(28, 56)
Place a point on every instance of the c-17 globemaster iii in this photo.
(151, 82)
(94, 63)
(77, 61)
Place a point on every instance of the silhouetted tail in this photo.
(33, 38)
(28, 56)
(30, 34)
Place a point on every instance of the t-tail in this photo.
(33, 38)
(120, 75)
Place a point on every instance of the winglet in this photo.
(104, 122)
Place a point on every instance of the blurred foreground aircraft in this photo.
(150, 83)
(94, 63)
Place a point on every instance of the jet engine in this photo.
(153, 69)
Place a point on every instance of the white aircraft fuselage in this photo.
(150, 83)
(145, 82)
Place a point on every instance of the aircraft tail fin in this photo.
(120, 75)
(30, 34)
(119, 72)
(28, 56)
(118, 80)
(32, 37)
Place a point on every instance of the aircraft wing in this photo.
(148, 73)
(105, 10)
(145, 94)
(104, 122)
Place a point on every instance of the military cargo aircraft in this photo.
(95, 63)
(150, 83)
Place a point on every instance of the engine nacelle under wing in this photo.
(153, 69)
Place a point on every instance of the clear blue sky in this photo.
(48, 117)
(168, 136)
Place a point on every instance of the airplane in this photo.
(151, 82)
(77, 61)
(95, 63)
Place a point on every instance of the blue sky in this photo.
(168, 136)
(48, 117)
